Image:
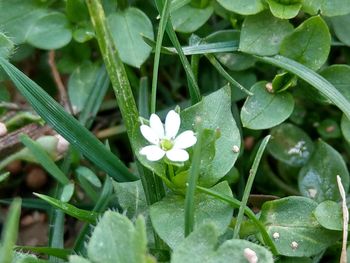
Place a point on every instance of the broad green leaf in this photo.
(243, 7)
(345, 128)
(51, 31)
(329, 214)
(290, 144)
(131, 198)
(6, 46)
(341, 28)
(285, 9)
(317, 179)
(326, 7)
(117, 239)
(295, 230)
(10, 232)
(127, 28)
(264, 110)
(188, 19)
(78, 259)
(309, 44)
(314, 79)
(67, 192)
(202, 246)
(81, 214)
(88, 175)
(80, 85)
(76, 10)
(167, 215)
(263, 33)
(17, 17)
(66, 125)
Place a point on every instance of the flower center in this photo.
(166, 144)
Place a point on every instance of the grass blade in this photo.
(44, 159)
(83, 215)
(311, 77)
(249, 185)
(56, 252)
(10, 232)
(67, 126)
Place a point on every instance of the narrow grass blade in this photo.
(192, 182)
(83, 215)
(143, 104)
(225, 74)
(311, 77)
(249, 185)
(56, 252)
(88, 189)
(10, 232)
(4, 176)
(29, 203)
(44, 159)
(162, 25)
(67, 126)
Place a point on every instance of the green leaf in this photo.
(116, 239)
(345, 128)
(88, 175)
(285, 9)
(295, 230)
(314, 79)
(188, 19)
(81, 214)
(341, 28)
(44, 159)
(339, 76)
(10, 232)
(76, 10)
(78, 259)
(290, 144)
(264, 110)
(57, 252)
(67, 126)
(168, 215)
(309, 44)
(4, 176)
(80, 85)
(6, 46)
(202, 246)
(327, 8)
(243, 7)
(317, 179)
(329, 129)
(329, 214)
(262, 34)
(51, 31)
(17, 17)
(127, 28)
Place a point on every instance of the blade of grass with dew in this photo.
(44, 159)
(249, 185)
(193, 87)
(311, 77)
(200, 49)
(249, 213)
(57, 252)
(143, 104)
(10, 232)
(67, 126)
(192, 182)
(225, 74)
(162, 25)
(83, 215)
(95, 98)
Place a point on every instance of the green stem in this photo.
(249, 213)
(161, 29)
(249, 185)
(192, 182)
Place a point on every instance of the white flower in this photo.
(164, 141)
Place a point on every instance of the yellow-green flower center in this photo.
(166, 144)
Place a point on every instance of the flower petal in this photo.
(149, 134)
(172, 124)
(177, 155)
(185, 140)
(157, 125)
(152, 152)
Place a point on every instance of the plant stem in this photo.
(249, 185)
(162, 24)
